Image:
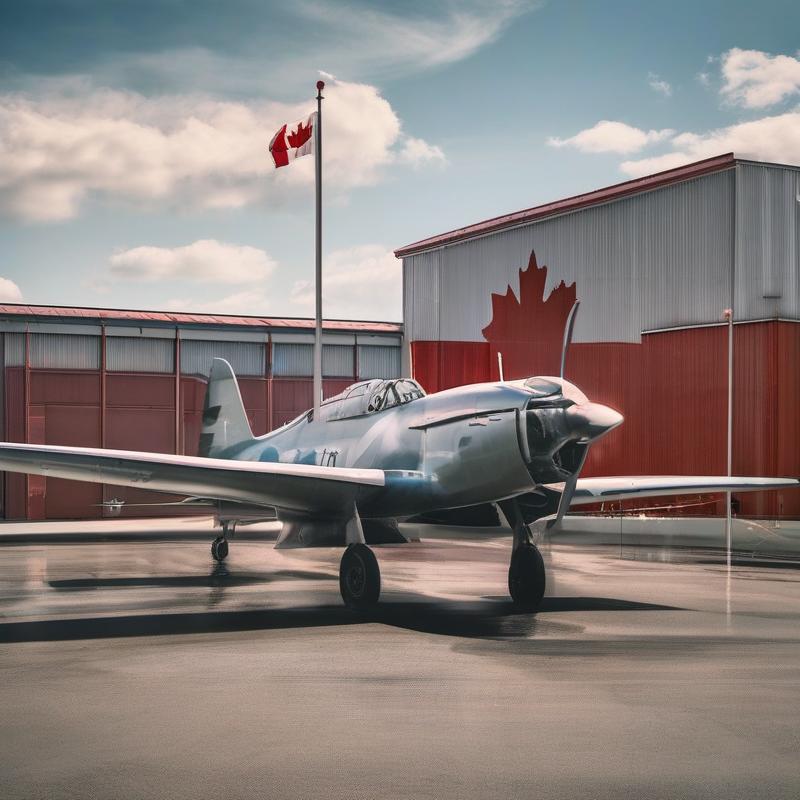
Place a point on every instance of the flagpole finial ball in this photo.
(320, 85)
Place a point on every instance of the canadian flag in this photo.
(293, 141)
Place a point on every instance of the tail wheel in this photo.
(219, 549)
(526, 577)
(359, 577)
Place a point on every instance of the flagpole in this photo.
(318, 276)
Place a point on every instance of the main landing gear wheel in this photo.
(219, 548)
(526, 578)
(359, 577)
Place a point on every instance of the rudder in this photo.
(225, 422)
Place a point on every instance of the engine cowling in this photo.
(560, 423)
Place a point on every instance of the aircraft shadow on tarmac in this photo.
(486, 617)
(219, 577)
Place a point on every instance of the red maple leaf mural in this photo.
(299, 137)
(529, 331)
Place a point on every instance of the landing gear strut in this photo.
(526, 574)
(219, 547)
(359, 577)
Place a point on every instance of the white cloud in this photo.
(362, 282)
(206, 261)
(608, 136)
(357, 38)
(418, 153)
(248, 301)
(56, 150)
(9, 291)
(754, 79)
(659, 85)
(375, 39)
(355, 279)
(704, 78)
(775, 138)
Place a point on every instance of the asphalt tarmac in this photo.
(140, 669)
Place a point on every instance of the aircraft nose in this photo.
(592, 420)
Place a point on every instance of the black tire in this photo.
(219, 549)
(359, 577)
(526, 577)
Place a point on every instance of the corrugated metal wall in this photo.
(648, 261)
(338, 360)
(62, 397)
(57, 351)
(378, 362)
(292, 359)
(130, 354)
(767, 270)
(246, 358)
(421, 295)
(14, 344)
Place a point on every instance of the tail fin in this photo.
(224, 419)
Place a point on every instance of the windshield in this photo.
(394, 393)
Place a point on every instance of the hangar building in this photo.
(654, 262)
(135, 380)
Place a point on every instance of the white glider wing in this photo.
(598, 490)
(297, 487)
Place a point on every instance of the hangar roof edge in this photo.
(172, 319)
(574, 203)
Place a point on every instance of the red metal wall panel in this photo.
(144, 429)
(37, 484)
(290, 397)
(63, 386)
(254, 396)
(193, 392)
(79, 426)
(15, 484)
(425, 364)
(333, 386)
(140, 391)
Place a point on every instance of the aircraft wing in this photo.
(305, 488)
(598, 490)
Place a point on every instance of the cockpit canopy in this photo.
(369, 397)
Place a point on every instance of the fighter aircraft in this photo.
(383, 451)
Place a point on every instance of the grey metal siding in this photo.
(246, 358)
(378, 362)
(295, 360)
(337, 360)
(129, 354)
(421, 296)
(767, 231)
(657, 259)
(62, 351)
(15, 349)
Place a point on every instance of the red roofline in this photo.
(605, 195)
(179, 318)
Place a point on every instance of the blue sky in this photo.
(134, 170)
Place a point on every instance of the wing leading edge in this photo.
(305, 488)
(598, 490)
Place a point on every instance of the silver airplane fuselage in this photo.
(459, 447)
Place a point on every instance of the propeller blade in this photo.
(568, 336)
(569, 490)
